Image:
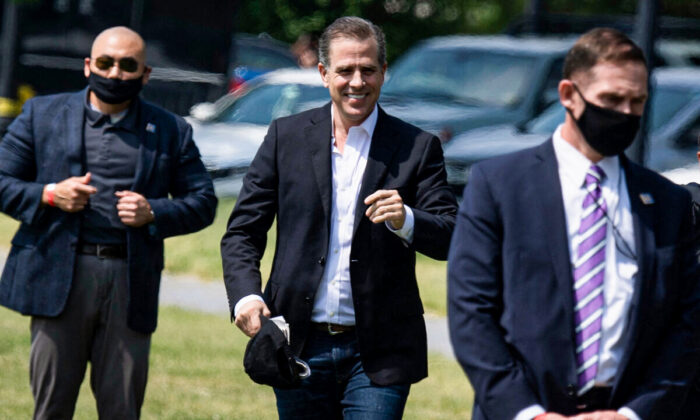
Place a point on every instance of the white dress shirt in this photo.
(620, 263)
(333, 301)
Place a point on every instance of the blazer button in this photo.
(571, 390)
(322, 260)
(307, 299)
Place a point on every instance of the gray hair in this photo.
(351, 27)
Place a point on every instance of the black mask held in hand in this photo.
(607, 131)
(114, 91)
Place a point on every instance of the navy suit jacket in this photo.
(45, 144)
(511, 299)
(291, 179)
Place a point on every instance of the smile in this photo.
(356, 96)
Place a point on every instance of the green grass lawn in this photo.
(196, 373)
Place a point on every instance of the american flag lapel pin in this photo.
(151, 128)
(646, 198)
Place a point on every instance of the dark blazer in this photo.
(45, 144)
(511, 300)
(290, 178)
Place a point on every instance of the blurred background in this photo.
(455, 66)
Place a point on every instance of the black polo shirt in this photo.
(111, 154)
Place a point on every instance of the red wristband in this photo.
(540, 416)
(49, 194)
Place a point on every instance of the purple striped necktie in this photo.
(589, 273)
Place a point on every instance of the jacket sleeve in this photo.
(192, 205)
(435, 207)
(475, 305)
(243, 244)
(20, 194)
(671, 371)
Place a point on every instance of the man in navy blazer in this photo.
(89, 175)
(356, 194)
(573, 279)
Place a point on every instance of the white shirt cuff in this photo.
(243, 301)
(627, 412)
(530, 412)
(406, 231)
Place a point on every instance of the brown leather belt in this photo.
(103, 251)
(332, 329)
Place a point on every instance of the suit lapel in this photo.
(381, 151)
(643, 221)
(318, 136)
(73, 121)
(148, 132)
(551, 208)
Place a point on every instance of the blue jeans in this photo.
(338, 387)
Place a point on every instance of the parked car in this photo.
(253, 55)
(447, 85)
(673, 131)
(229, 131)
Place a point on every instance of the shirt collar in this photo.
(367, 125)
(574, 165)
(124, 119)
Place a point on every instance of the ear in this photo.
(146, 74)
(324, 74)
(698, 157)
(566, 93)
(86, 67)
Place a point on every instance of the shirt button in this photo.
(331, 313)
(335, 251)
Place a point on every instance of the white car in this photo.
(229, 131)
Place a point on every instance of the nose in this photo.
(356, 81)
(114, 72)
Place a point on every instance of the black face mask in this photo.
(114, 91)
(607, 131)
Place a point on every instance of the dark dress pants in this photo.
(92, 328)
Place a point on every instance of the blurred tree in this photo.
(407, 21)
(403, 21)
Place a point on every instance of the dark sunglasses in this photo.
(127, 64)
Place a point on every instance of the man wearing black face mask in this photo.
(98, 179)
(573, 277)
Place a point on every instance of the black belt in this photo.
(103, 251)
(332, 329)
(596, 398)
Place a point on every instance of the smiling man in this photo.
(573, 276)
(98, 179)
(356, 194)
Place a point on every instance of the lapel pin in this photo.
(646, 198)
(151, 128)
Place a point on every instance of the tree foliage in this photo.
(407, 21)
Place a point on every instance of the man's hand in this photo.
(386, 205)
(600, 415)
(133, 209)
(551, 416)
(248, 319)
(71, 195)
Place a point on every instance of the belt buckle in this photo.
(98, 251)
(330, 330)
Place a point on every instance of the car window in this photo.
(472, 77)
(666, 102)
(268, 102)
